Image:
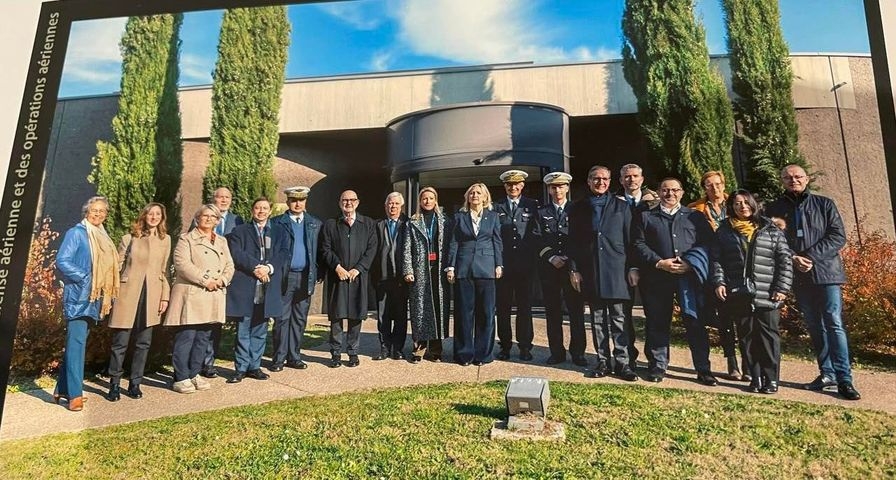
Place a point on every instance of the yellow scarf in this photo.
(104, 261)
(745, 227)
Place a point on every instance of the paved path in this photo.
(32, 414)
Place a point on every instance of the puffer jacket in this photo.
(768, 261)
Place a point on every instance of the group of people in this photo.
(726, 260)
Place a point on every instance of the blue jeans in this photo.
(822, 306)
(71, 373)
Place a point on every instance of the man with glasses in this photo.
(671, 242)
(599, 229)
(815, 233)
(348, 248)
(297, 284)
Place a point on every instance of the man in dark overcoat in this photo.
(260, 254)
(391, 288)
(599, 228)
(299, 278)
(348, 248)
(518, 216)
(661, 236)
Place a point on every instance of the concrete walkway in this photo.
(33, 413)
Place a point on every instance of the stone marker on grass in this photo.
(527, 400)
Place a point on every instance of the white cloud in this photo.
(482, 31)
(196, 69)
(362, 14)
(93, 54)
(381, 60)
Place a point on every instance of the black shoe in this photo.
(580, 360)
(633, 364)
(769, 388)
(384, 354)
(525, 355)
(847, 391)
(276, 367)
(432, 358)
(706, 378)
(555, 359)
(599, 370)
(820, 383)
(257, 374)
(210, 372)
(397, 355)
(478, 363)
(503, 355)
(134, 392)
(353, 361)
(416, 358)
(114, 394)
(755, 386)
(627, 374)
(237, 378)
(335, 361)
(298, 364)
(464, 364)
(656, 375)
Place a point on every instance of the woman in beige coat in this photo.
(143, 298)
(203, 269)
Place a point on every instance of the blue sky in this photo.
(361, 36)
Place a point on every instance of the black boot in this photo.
(114, 394)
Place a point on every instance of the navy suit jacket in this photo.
(246, 252)
(602, 259)
(471, 255)
(313, 227)
(657, 236)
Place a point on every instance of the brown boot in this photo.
(76, 404)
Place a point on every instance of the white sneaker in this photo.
(200, 383)
(184, 386)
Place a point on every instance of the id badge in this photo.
(432, 256)
(799, 233)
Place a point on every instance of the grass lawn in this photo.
(442, 432)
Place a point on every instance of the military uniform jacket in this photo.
(552, 233)
(517, 227)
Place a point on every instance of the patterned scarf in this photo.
(104, 261)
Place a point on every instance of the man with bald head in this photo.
(815, 233)
(348, 248)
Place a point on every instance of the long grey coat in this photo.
(428, 320)
(196, 261)
(145, 263)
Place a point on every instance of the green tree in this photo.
(248, 80)
(683, 107)
(762, 79)
(144, 160)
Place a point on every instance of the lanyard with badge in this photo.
(430, 232)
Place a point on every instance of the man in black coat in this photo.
(599, 228)
(260, 253)
(554, 246)
(391, 288)
(517, 215)
(661, 236)
(815, 233)
(347, 248)
(300, 276)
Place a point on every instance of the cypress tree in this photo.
(762, 78)
(683, 107)
(248, 80)
(143, 162)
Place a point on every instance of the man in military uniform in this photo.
(552, 234)
(517, 215)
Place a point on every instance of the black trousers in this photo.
(289, 328)
(392, 313)
(338, 336)
(514, 288)
(608, 321)
(760, 339)
(142, 340)
(190, 344)
(556, 288)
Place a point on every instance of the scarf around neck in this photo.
(744, 227)
(105, 279)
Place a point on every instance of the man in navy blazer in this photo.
(260, 254)
(299, 279)
(599, 228)
(661, 236)
(518, 216)
(222, 198)
(391, 289)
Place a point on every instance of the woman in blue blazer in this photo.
(474, 262)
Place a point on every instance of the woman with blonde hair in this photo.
(474, 263)
(203, 268)
(88, 267)
(143, 258)
(424, 260)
